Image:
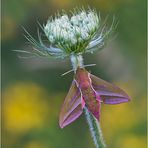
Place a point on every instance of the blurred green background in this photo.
(33, 89)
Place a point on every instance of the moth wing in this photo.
(109, 93)
(72, 107)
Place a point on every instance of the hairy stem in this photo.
(77, 61)
(95, 129)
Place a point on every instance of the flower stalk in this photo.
(77, 61)
(95, 129)
(94, 125)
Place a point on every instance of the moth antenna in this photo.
(67, 72)
(73, 70)
(89, 65)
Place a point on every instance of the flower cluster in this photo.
(71, 32)
(75, 34)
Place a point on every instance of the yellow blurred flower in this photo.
(24, 107)
(34, 144)
(9, 27)
(59, 3)
(132, 141)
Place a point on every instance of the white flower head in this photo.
(73, 30)
(78, 33)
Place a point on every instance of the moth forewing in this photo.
(109, 93)
(71, 108)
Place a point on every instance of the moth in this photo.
(88, 91)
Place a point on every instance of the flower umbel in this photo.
(72, 34)
(78, 33)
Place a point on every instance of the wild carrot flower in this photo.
(75, 34)
(72, 36)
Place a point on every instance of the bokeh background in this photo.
(33, 89)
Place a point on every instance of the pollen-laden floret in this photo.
(74, 33)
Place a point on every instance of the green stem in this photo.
(95, 129)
